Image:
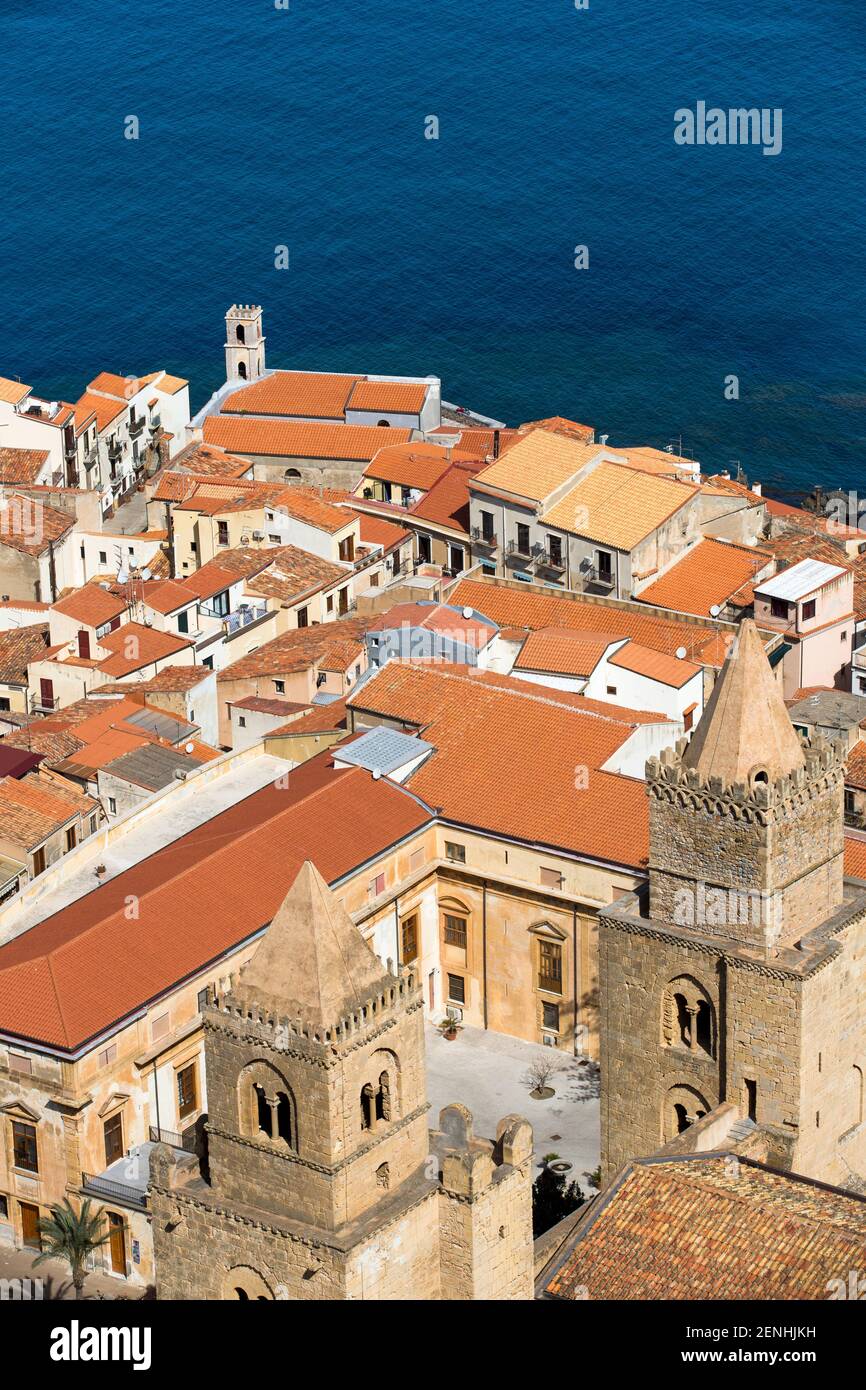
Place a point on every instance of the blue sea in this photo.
(304, 127)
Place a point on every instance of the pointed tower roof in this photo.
(745, 724)
(312, 963)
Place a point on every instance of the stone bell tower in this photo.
(245, 343)
(322, 1180)
(716, 981)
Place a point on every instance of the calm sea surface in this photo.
(304, 128)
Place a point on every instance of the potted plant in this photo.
(449, 1028)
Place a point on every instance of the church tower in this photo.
(245, 343)
(322, 1180)
(727, 978)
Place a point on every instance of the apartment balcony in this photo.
(136, 425)
(243, 617)
(590, 574)
(547, 561)
(482, 541)
(516, 550)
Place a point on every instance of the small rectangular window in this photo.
(751, 1098)
(70, 838)
(24, 1150)
(455, 931)
(187, 1091)
(242, 723)
(808, 610)
(456, 989)
(550, 1016)
(377, 885)
(409, 937)
(303, 617)
(280, 687)
(456, 853)
(4, 1209)
(108, 1055)
(201, 999)
(112, 805)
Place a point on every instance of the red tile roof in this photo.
(855, 769)
(105, 408)
(376, 531)
(31, 526)
(437, 617)
(707, 1227)
(314, 395)
(91, 605)
(298, 440)
(18, 647)
(656, 666)
(79, 971)
(855, 857)
(414, 465)
(334, 646)
(134, 645)
(508, 754)
(519, 606)
(563, 651)
(389, 397)
(21, 466)
(447, 502)
(708, 574)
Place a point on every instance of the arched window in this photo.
(368, 1106)
(383, 1098)
(241, 336)
(688, 1016)
(266, 1106)
(284, 1119)
(292, 474)
(384, 424)
(858, 1095)
(683, 1106)
(242, 370)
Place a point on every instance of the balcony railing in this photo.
(480, 538)
(242, 617)
(186, 1141)
(96, 1186)
(517, 550)
(548, 561)
(136, 425)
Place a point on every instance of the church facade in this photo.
(739, 975)
(321, 1179)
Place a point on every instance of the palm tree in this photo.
(72, 1235)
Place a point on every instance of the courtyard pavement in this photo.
(56, 1283)
(484, 1071)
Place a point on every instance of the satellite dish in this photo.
(189, 748)
(681, 653)
(715, 610)
(133, 564)
(122, 576)
(467, 612)
(145, 574)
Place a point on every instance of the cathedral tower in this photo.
(245, 344)
(716, 982)
(322, 1180)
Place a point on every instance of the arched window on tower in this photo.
(383, 1098)
(263, 1111)
(241, 336)
(284, 1119)
(368, 1106)
(688, 1016)
(242, 370)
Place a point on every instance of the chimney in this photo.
(756, 487)
(496, 444)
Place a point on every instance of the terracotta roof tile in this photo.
(204, 459)
(855, 857)
(13, 392)
(447, 502)
(334, 646)
(31, 526)
(18, 647)
(316, 395)
(476, 719)
(21, 466)
(519, 606)
(105, 408)
(134, 645)
(538, 464)
(563, 651)
(91, 605)
(710, 573)
(291, 439)
(395, 397)
(657, 666)
(74, 974)
(709, 1228)
(414, 465)
(618, 506)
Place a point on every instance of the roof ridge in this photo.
(528, 695)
